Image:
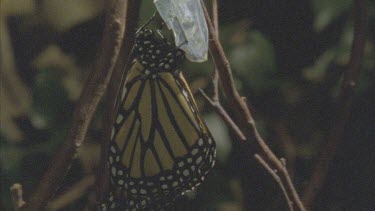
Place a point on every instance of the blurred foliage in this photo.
(287, 59)
(326, 11)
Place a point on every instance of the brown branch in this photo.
(75, 192)
(224, 115)
(85, 108)
(215, 15)
(277, 179)
(214, 101)
(242, 114)
(225, 73)
(17, 196)
(113, 91)
(287, 144)
(344, 104)
(215, 85)
(215, 77)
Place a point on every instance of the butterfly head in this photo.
(157, 54)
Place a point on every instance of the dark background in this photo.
(287, 58)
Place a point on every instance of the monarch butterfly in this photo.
(160, 147)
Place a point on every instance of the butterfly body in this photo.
(160, 147)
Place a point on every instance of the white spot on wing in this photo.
(124, 90)
(200, 142)
(199, 160)
(113, 171)
(185, 172)
(119, 118)
(194, 152)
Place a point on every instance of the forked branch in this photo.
(243, 118)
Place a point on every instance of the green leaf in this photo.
(326, 11)
(254, 62)
(50, 100)
(318, 70)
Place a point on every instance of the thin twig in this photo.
(215, 15)
(224, 115)
(215, 77)
(344, 104)
(17, 196)
(277, 179)
(215, 85)
(214, 101)
(75, 192)
(120, 70)
(287, 144)
(242, 113)
(85, 108)
(225, 73)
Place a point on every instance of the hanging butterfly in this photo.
(160, 148)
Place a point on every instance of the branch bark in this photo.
(243, 117)
(120, 70)
(85, 108)
(214, 101)
(224, 115)
(344, 104)
(287, 143)
(75, 192)
(215, 77)
(276, 178)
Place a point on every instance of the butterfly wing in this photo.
(160, 146)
